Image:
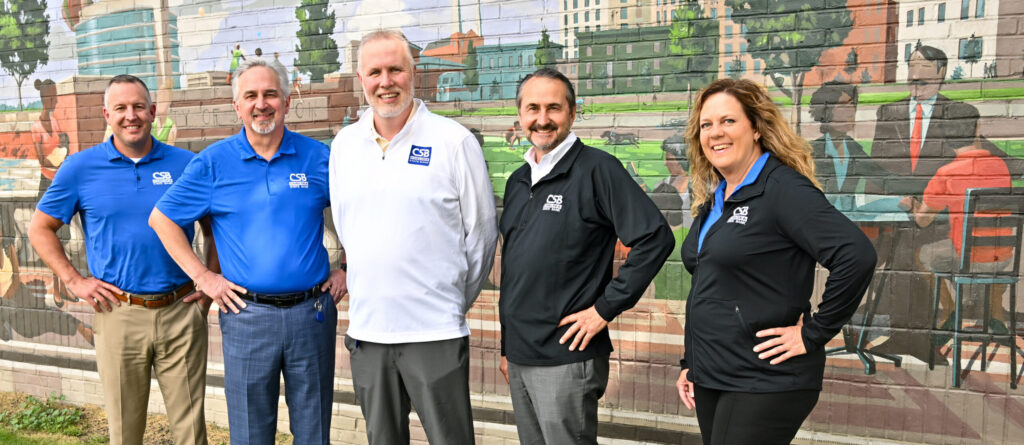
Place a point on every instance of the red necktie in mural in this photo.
(915, 138)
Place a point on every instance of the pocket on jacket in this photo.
(723, 343)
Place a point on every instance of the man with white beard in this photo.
(414, 209)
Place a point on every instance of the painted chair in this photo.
(992, 220)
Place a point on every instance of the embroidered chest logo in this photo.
(739, 215)
(298, 181)
(162, 178)
(553, 203)
(419, 155)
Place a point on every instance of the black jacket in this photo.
(559, 240)
(756, 271)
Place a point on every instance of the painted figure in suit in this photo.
(842, 166)
(910, 138)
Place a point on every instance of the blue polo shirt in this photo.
(267, 215)
(115, 196)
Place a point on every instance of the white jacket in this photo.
(418, 226)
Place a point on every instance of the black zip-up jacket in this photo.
(559, 240)
(756, 271)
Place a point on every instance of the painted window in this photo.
(623, 14)
(597, 16)
(657, 64)
(906, 52)
(910, 18)
(629, 65)
(657, 46)
(979, 9)
(575, 18)
(728, 48)
(586, 16)
(590, 52)
(965, 6)
(629, 48)
(657, 80)
(920, 16)
(608, 50)
(941, 14)
(589, 66)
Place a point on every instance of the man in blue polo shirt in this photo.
(114, 185)
(265, 190)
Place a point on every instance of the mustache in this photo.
(918, 83)
(548, 127)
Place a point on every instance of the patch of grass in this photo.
(50, 416)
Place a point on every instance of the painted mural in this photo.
(911, 108)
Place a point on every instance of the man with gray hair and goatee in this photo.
(414, 209)
(264, 190)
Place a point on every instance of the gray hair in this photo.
(282, 75)
(124, 78)
(386, 34)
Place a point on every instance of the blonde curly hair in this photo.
(777, 137)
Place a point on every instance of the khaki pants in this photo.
(172, 341)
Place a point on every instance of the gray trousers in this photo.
(434, 376)
(557, 405)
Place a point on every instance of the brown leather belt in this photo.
(157, 300)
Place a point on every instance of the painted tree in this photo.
(693, 46)
(471, 75)
(546, 54)
(790, 36)
(851, 62)
(317, 52)
(24, 39)
(970, 52)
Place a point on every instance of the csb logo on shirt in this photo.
(419, 155)
(739, 215)
(553, 203)
(298, 181)
(162, 178)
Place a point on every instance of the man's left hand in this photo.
(585, 325)
(336, 284)
(788, 342)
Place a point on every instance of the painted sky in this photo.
(207, 31)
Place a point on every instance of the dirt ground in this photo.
(157, 430)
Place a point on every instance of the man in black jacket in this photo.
(563, 212)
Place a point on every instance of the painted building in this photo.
(966, 30)
(578, 16)
(872, 39)
(129, 37)
(639, 60)
(501, 67)
(455, 47)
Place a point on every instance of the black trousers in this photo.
(741, 418)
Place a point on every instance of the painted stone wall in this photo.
(922, 361)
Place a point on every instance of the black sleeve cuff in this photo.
(683, 364)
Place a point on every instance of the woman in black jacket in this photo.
(754, 352)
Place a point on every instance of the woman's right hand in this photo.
(685, 388)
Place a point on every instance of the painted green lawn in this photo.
(887, 97)
(645, 162)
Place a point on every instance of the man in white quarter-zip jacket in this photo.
(412, 201)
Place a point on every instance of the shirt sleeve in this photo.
(640, 226)
(479, 220)
(807, 218)
(61, 199)
(189, 197)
